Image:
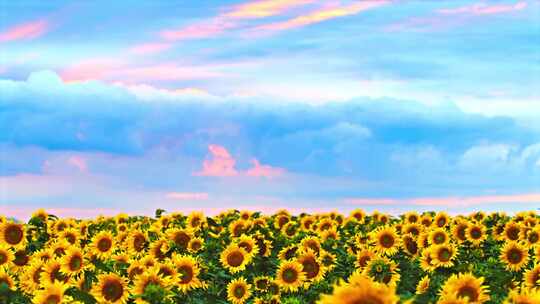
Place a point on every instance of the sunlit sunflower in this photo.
(110, 289)
(238, 291)
(31, 278)
(73, 262)
(195, 245)
(328, 260)
(410, 245)
(459, 231)
(359, 215)
(411, 217)
(40, 214)
(6, 256)
(261, 283)
(281, 219)
(234, 258)
(52, 294)
(423, 285)
(361, 290)
(265, 246)
(438, 236)
(312, 243)
(532, 236)
(443, 255)
(306, 223)
(249, 244)
(382, 270)
(514, 255)
(188, 272)
(426, 220)
(441, 219)
(158, 249)
(332, 234)
(512, 231)
(311, 266)
(150, 277)
(426, 262)
(525, 296)
(466, 285)
(135, 268)
(412, 228)
(52, 272)
(289, 276)
(363, 256)
(532, 277)
(478, 216)
(103, 244)
(5, 278)
(180, 237)
(71, 235)
(239, 227)
(12, 235)
(288, 253)
(196, 220)
(386, 240)
(325, 224)
(290, 229)
(245, 214)
(136, 243)
(476, 233)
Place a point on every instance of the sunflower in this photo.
(150, 277)
(363, 256)
(196, 220)
(103, 244)
(281, 220)
(532, 236)
(438, 236)
(188, 272)
(311, 266)
(52, 272)
(476, 233)
(135, 268)
(361, 290)
(234, 258)
(443, 255)
(328, 260)
(467, 286)
(532, 277)
(158, 249)
(514, 255)
(239, 227)
(290, 229)
(245, 214)
(359, 215)
(12, 235)
(386, 240)
(195, 245)
(306, 223)
(238, 291)
(261, 283)
(40, 214)
(180, 237)
(325, 224)
(288, 253)
(249, 244)
(526, 296)
(5, 278)
(59, 247)
(459, 231)
(312, 243)
(423, 285)
(512, 231)
(265, 246)
(71, 235)
(382, 270)
(426, 220)
(31, 278)
(136, 243)
(412, 217)
(52, 294)
(412, 228)
(289, 276)
(332, 233)
(6, 256)
(110, 289)
(426, 262)
(73, 262)
(441, 219)
(410, 245)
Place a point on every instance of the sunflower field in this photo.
(245, 257)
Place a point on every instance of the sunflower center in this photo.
(461, 232)
(246, 246)
(3, 258)
(441, 222)
(14, 234)
(513, 233)
(182, 239)
(439, 238)
(363, 260)
(444, 255)
(53, 299)
(21, 258)
(262, 283)
(368, 299)
(196, 245)
(290, 275)
(37, 275)
(138, 242)
(533, 237)
(235, 259)
(515, 256)
(476, 233)
(468, 292)
(186, 274)
(411, 245)
(104, 244)
(75, 262)
(239, 291)
(311, 268)
(112, 290)
(387, 240)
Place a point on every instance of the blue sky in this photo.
(267, 104)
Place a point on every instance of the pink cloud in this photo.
(453, 201)
(220, 164)
(264, 8)
(223, 164)
(484, 9)
(25, 31)
(79, 163)
(203, 29)
(90, 69)
(149, 48)
(259, 170)
(322, 15)
(195, 196)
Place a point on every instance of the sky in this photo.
(113, 107)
